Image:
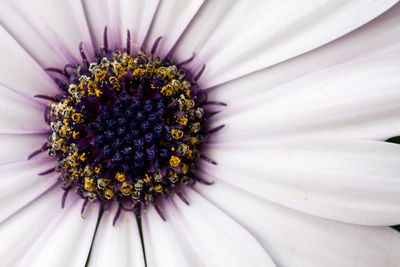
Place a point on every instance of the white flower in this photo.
(303, 176)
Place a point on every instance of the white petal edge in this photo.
(117, 245)
(20, 184)
(20, 72)
(215, 238)
(349, 181)
(357, 100)
(171, 19)
(295, 239)
(67, 238)
(232, 46)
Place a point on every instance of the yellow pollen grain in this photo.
(174, 161)
(148, 178)
(177, 134)
(120, 176)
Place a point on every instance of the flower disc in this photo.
(127, 128)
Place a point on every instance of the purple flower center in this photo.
(127, 128)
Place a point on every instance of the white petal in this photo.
(193, 236)
(378, 37)
(117, 245)
(20, 72)
(101, 14)
(61, 24)
(19, 114)
(164, 244)
(20, 184)
(296, 239)
(350, 181)
(172, 18)
(28, 224)
(14, 19)
(67, 238)
(354, 100)
(137, 15)
(216, 239)
(253, 36)
(17, 147)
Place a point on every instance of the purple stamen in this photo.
(128, 42)
(216, 129)
(105, 40)
(83, 208)
(157, 207)
(117, 214)
(197, 77)
(182, 198)
(48, 171)
(208, 159)
(50, 98)
(218, 103)
(155, 45)
(64, 197)
(186, 61)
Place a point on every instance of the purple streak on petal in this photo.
(117, 215)
(197, 77)
(105, 39)
(186, 61)
(218, 103)
(50, 98)
(64, 197)
(128, 42)
(180, 195)
(126, 209)
(210, 114)
(44, 147)
(157, 207)
(83, 55)
(48, 171)
(155, 45)
(208, 159)
(68, 66)
(216, 129)
(47, 114)
(37, 152)
(83, 208)
(202, 96)
(201, 180)
(59, 71)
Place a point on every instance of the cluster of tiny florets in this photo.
(127, 128)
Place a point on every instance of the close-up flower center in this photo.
(126, 128)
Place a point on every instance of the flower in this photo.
(303, 177)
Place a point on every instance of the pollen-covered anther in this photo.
(126, 128)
